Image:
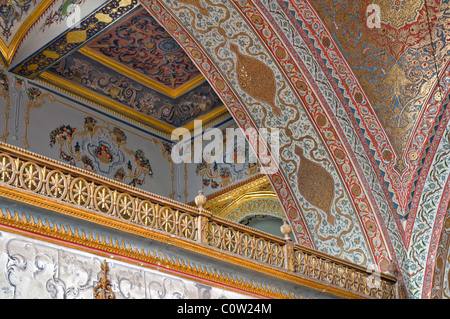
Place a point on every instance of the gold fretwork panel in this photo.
(219, 201)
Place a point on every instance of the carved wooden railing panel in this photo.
(243, 243)
(22, 171)
(87, 193)
(343, 276)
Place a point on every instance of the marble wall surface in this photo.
(35, 269)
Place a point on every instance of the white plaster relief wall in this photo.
(31, 269)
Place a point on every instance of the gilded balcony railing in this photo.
(29, 177)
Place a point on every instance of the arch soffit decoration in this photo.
(226, 88)
(409, 188)
(418, 184)
(400, 184)
(432, 219)
(413, 188)
(8, 49)
(248, 198)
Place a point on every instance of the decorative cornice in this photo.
(113, 105)
(160, 127)
(68, 236)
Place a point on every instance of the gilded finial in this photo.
(200, 200)
(286, 230)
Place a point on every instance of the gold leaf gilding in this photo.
(315, 184)
(256, 79)
(76, 36)
(103, 17)
(51, 54)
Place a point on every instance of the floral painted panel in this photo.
(102, 149)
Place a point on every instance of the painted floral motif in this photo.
(4, 81)
(67, 158)
(62, 133)
(101, 149)
(167, 147)
(90, 121)
(87, 162)
(224, 174)
(104, 154)
(66, 9)
(119, 174)
(120, 135)
(143, 161)
(33, 93)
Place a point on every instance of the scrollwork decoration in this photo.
(103, 289)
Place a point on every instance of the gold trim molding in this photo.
(244, 198)
(114, 106)
(219, 200)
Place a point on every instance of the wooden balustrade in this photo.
(41, 177)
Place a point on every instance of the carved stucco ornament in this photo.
(315, 184)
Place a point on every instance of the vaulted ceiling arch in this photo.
(241, 44)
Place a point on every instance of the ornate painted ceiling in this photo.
(128, 63)
(362, 110)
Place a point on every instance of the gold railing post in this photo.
(289, 257)
(202, 219)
